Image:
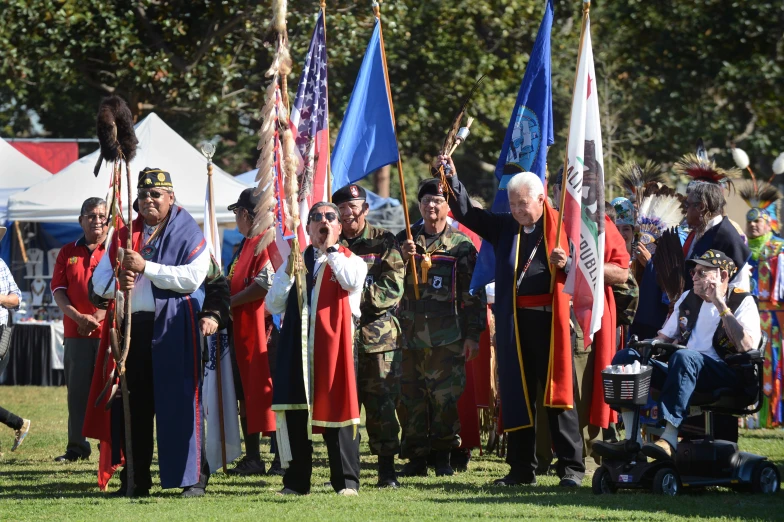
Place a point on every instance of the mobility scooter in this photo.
(697, 463)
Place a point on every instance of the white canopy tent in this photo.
(59, 199)
(17, 172)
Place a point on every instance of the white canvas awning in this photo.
(17, 172)
(59, 198)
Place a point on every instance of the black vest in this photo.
(687, 319)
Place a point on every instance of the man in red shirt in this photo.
(82, 320)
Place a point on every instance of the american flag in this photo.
(310, 124)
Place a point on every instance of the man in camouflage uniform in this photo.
(378, 339)
(442, 331)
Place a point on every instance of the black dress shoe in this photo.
(387, 482)
(276, 469)
(193, 491)
(137, 493)
(510, 480)
(70, 456)
(621, 450)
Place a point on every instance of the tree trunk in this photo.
(381, 182)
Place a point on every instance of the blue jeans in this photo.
(687, 371)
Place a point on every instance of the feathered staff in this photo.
(670, 264)
(458, 134)
(661, 209)
(634, 178)
(118, 142)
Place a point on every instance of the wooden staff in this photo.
(377, 14)
(21, 241)
(208, 150)
(586, 9)
(323, 6)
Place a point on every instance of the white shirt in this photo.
(184, 279)
(701, 338)
(350, 273)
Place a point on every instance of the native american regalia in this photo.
(250, 340)
(767, 280)
(176, 362)
(315, 365)
(604, 340)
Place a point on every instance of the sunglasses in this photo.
(319, 216)
(154, 194)
(700, 273)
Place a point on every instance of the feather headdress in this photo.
(761, 197)
(276, 141)
(660, 210)
(701, 169)
(634, 178)
(114, 127)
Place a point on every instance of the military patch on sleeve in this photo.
(369, 281)
(438, 282)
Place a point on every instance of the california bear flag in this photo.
(584, 197)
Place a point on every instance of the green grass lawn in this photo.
(33, 487)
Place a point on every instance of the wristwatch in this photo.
(332, 249)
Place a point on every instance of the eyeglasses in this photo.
(699, 273)
(319, 216)
(154, 194)
(427, 200)
(95, 217)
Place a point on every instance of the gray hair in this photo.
(711, 196)
(91, 203)
(527, 180)
(323, 204)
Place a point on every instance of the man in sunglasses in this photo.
(165, 269)
(379, 339)
(442, 330)
(315, 377)
(713, 322)
(82, 321)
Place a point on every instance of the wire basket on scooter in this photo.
(627, 389)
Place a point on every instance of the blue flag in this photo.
(366, 141)
(529, 134)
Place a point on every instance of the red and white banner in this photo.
(584, 198)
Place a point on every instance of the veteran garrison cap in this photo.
(349, 193)
(152, 177)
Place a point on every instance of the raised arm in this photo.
(349, 271)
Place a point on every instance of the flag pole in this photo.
(586, 9)
(377, 14)
(323, 7)
(208, 149)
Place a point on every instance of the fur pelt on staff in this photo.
(114, 127)
(670, 264)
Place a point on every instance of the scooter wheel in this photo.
(667, 482)
(602, 482)
(766, 478)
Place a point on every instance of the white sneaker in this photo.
(348, 492)
(21, 434)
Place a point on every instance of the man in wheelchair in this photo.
(713, 323)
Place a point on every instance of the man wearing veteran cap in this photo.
(712, 322)
(442, 330)
(379, 339)
(166, 269)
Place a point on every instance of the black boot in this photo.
(443, 469)
(387, 478)
(460, 459)
(416, 467)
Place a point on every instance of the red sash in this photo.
(250, 342)
(334, 399)
(525, 301)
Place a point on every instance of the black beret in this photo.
(430, 187)
(349, 193)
